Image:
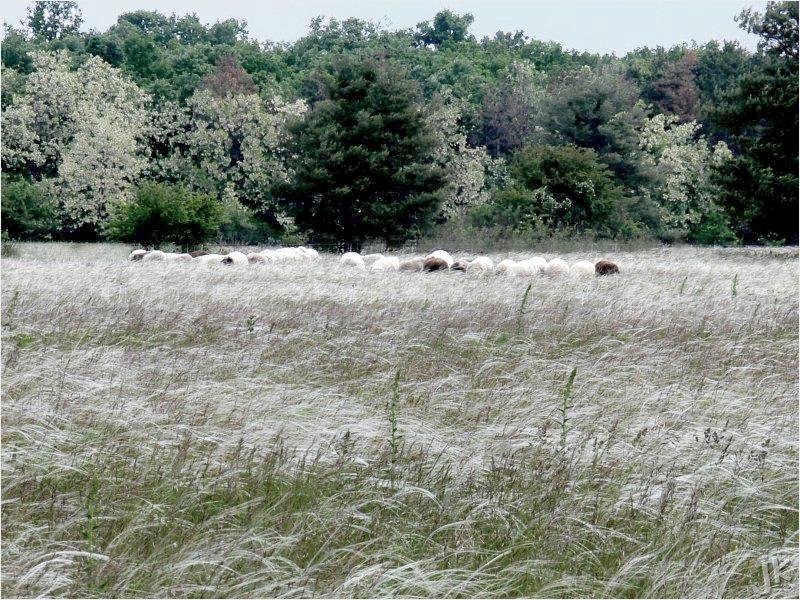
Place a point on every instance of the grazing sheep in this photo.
(387, 263)
(235, 258)
(255, 257)
(177, 257)
(582, 268)
(556, 267)
(285, 254)
(153, 255)
(523, 269)
(445, 256)
(309, 252)
(412, 264)
(207, 259)
(196, 253)
(481, 264)
(506, 267)
(462, 264)
(137, 255)
(269, 255)
(538, 264)
(434, 263)
(606, 267)
(371, 258)
(352, 259)
(301, 254)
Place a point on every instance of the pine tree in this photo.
(364, 167)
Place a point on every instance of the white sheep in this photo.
(557, 267)
(352, 259)
(445, 256)
(137, 254)
(506, 267)
(205, 259)
(481, 264)
(310, 252)
(371, 258)
(301, 254)
(287, 254)
(177, 257)
(582, 268)
(387, 263)
(537, 263)
(153, 255)
(235, 258)
(523, 269)
(269, 255)
(412, 264)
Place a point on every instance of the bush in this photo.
(241, 227)
(714, 228)
(27, 213)
(166, 213)
(559, 188)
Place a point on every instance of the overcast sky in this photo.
(593, 25)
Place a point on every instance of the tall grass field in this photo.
(302, 429)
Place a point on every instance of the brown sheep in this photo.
(197, 253)
(606, 267)
(434, 264)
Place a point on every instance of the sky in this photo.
(593, 25)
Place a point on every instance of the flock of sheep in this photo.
(232, 258)
(439, 260)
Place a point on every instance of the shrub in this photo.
(166, 213)
(713, 228)
(559, 188)
(27, 213)
(240, 226)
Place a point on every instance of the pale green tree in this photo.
(684, 161)
(464, 165)
(79, 132)
(231, 146)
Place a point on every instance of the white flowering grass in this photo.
(305, 429)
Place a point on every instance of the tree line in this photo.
(165, 129)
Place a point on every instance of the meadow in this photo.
(302, 430)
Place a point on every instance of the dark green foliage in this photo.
(714, 228)
(364, 169)
(583, 103)
(761, 204)
(582, 189)
(15, 51)
(27, 214)
(559, 187)
(241, 226)
(166, 213)
(761, 185)
(447, 27)
(508, 115)
(598, 109)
